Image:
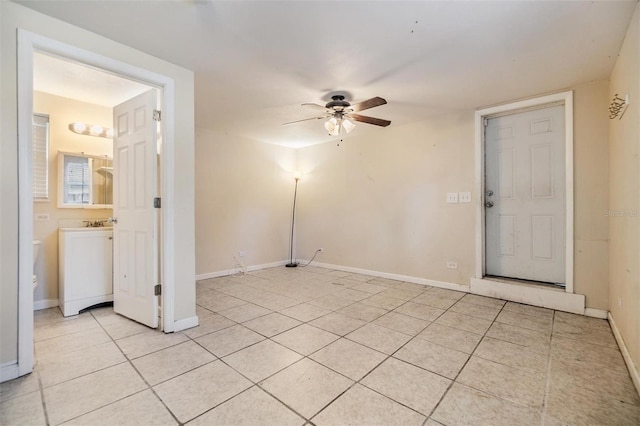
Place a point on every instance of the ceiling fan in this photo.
(342, 114)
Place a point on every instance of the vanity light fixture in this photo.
(91, 130)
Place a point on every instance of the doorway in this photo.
(525, 195)
(28, 43)
(524, 212)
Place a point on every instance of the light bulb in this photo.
(79, 127)
(348, 125)
(297, 175)
(96, 129)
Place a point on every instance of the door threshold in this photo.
(509, 280)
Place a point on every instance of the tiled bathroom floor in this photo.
(290, 346)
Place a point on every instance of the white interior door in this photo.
(525, 195)
(135, 271)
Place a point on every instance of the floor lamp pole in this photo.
(291, 263)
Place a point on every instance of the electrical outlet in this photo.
(242, 253)
(452, 265)
(452, 197)
(464, 197)
(42, 216)
(321, 250)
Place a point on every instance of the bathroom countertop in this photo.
(87, 228)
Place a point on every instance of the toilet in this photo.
(36, 250)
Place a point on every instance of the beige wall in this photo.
(591, 193)
(624, 198)
(378, 202)
(63, 111)
(12, 17)
(244, 192)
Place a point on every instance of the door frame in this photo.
(564, 98)
(28, 43)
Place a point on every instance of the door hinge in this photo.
(157, 202)
(485, 122)
(157, 115)
(157, 290)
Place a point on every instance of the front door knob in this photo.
(489, 193)
(488, 204)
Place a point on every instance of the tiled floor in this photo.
(290, 346)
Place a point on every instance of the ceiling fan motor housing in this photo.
(338, 103)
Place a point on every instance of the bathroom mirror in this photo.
(85, 181)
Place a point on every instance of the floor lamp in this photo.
(291, 263)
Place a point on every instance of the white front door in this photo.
(135, 248)
(525, 195)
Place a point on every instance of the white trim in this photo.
(595, 313)
(234, 271)
(25, 204)
(397, 277)
(530, 294)
(633, 370)
(567, 99)
(38, 305)
(185, 323)
(28, 42)
(167, 234)
(9, 371)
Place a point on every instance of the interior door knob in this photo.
(488, 204)
(489, 193)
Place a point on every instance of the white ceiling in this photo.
(256, 62)
(75, 81)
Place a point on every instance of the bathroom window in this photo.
(40, 158)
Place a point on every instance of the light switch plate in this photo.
(452, 197)
(41, 216)
(464, 197)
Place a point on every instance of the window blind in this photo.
(40, 158)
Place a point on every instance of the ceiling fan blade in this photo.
(306, 119)
(316, 106)
(369, 103)
(369, 120)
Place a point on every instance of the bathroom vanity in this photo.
(85, 268)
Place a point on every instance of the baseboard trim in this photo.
(234, 271)
(633, 371)
(397, 277)
(185, 323)
(9, 371)
(537, 296)
(39, 305)
(596, 313)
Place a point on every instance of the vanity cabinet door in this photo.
(86, 269)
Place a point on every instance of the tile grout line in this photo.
(547, 386)
(149, 387)
(310, 359)
(384, 360)
(256, 384)
(44, 402)
(454, 380)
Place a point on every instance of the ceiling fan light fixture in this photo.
(348, 125)
(332, 126)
